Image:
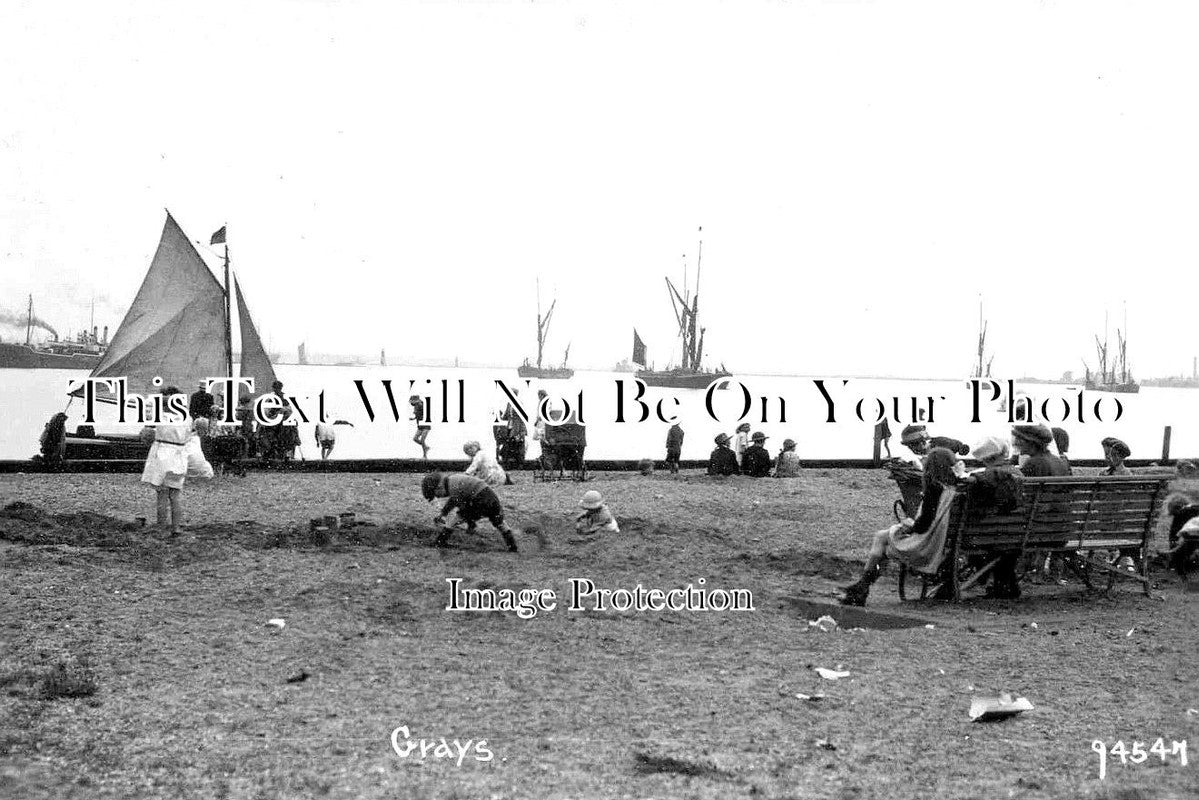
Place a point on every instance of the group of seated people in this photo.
(747, 455)
(994, 488)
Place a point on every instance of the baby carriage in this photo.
(910, 480)
(562, 448)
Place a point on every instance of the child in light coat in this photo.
(484, 466)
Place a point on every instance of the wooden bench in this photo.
(1094, 519)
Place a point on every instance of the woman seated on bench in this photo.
(919, 543)
(1184, 533)
(995, 489)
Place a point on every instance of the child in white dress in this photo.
(174, 455)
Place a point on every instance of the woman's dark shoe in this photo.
(855, 593)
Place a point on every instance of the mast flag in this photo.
(218, 237)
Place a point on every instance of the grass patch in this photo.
(68, 678)
(645, 763)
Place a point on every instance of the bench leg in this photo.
(1079, 567)
(982, 572)
(1145, 587)
(955, 572)
(1104, 562)
(904, 574)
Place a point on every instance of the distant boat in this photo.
(690, 373)
(84, 352)
(527, 370)
(179, 327)
(626, 365)
(1118, 379)
(983, 368)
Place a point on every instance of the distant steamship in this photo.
(83, 352)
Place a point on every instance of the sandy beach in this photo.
(186, 692)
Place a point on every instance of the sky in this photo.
(399, 175)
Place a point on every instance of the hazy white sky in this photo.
(397, 175)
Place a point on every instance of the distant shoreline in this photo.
(475, 365)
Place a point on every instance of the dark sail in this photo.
(638, 349)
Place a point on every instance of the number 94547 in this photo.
(1137, 753)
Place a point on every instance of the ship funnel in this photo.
(105, 342)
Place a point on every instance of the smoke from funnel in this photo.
(19, 321)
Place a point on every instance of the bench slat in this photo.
(1054, 544)
(1045, 536)
(1058, 520)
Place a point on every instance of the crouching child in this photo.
(1184, 534)
(471, 498)
(595, 518)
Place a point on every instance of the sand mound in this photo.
(28, 524)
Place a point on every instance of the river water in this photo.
(28, 398)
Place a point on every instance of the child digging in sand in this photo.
(174, 455)
(473, 500)
(595, 519)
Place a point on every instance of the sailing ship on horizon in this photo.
(527, 370)
(689, 374)
(982, 369)
(1119, 378)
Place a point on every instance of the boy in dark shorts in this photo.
(472, 498)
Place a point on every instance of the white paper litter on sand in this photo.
(831, 674)
(985, 709)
